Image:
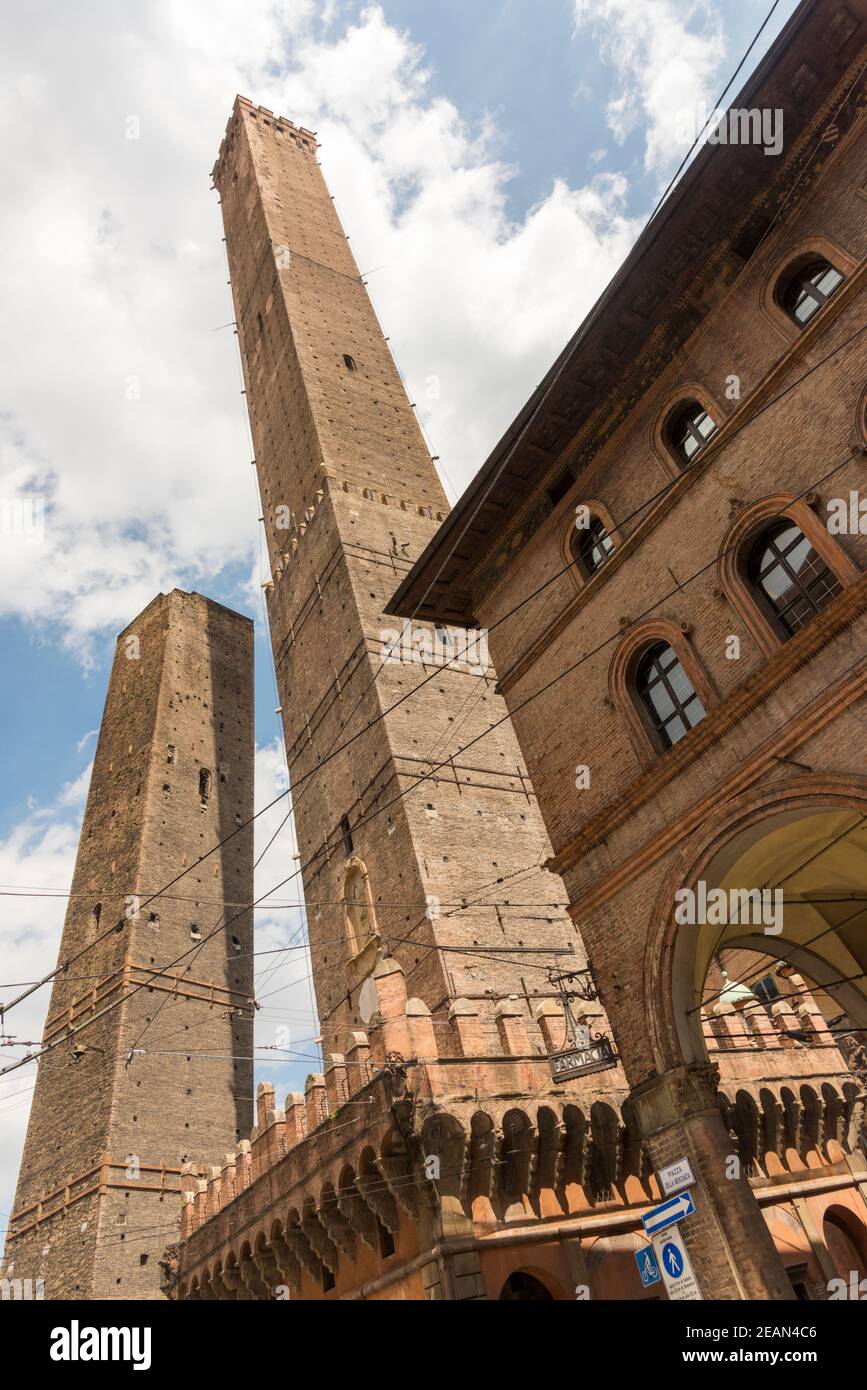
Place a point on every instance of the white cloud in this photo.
(666, 54)
(286, 1018)
(39, 852)
(74, 793)
(119, 405)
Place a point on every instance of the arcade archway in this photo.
(805, 847)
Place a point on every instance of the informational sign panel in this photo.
(578, 1061)
(674, 1177)
(674, 1266)
(648, 1269)
(675, 1209)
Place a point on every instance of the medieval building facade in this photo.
(664, 554)
(479, 849)
(438, 1155)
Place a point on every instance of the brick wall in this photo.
(179, 702)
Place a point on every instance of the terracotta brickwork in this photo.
(767, 789)
(350, 498)
(435, 1157)
(97, 1197)
(440, 1175)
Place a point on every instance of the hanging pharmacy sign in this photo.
(580, 1061)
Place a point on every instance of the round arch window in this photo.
(591, 546)
(689, 430)
(359, 913)
(809, 289)
(667, 694)
(791, 576)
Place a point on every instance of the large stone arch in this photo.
(812, 808)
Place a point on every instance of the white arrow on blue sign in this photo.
(666, 1215)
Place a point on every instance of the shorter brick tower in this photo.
(151, 1063)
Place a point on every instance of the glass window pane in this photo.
(827, 280)
(792, 576)
(805, 307)
(675, 730)
(680, 684)
(706, 425)
(661, 700)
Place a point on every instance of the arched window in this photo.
(689, 429)
(792, 578)
(349, 363)
(809, 289)
(591, 546)
(667, 694)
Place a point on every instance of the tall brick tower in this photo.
(97, 1196)
(396, 864)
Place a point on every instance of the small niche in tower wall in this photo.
(346, 834)
(349, 363)
(95, 915)
(170, 753)
(204, 785)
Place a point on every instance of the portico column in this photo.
(729, 1244)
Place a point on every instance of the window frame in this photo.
(766, 538)
(571, 563)
(786, 266)
(623, 693)
(685, 412)
(738, 543)
(685, 394)
(651, 657)
(583, 542)
(800, 276)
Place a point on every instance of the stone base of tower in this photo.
(417, 1167)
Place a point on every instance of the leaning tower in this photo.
(409, 848)
(149, 1030)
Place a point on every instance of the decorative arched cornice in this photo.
(746, 527)
(810, 249)
(568, 532)
(665, 1014)
(683, 395)
(622, 671)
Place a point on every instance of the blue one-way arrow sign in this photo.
(666, 1215)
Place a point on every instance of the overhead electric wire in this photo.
(805, 902)
(586, 656)
(748, 420)
(753, 41)
(5, 1008)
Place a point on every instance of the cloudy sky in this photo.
(493, 161)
